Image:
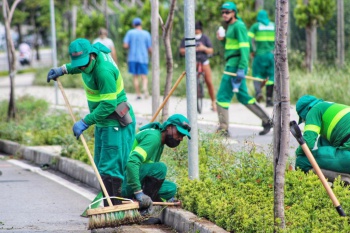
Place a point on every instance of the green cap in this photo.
(181, 122)
(79, 51)
(229, 6)
(304, 104)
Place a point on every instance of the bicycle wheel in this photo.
(200, 92)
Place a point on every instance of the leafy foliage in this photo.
(316, 12)
(235, 191)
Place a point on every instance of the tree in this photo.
(340, 33)
(167, 28)
(11, 55)
(310, 14)
(281, 110)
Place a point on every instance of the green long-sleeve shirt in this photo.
(329, 120)
(264, 37)
(236, 45)
(104, 88)
(147, 148)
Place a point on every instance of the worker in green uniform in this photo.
(145, 174)
(236, 45)
(110, 112)
(326, 123)
(263, 34)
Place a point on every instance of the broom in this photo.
(98, 197)
(111, 216)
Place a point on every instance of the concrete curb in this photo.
(179, 219)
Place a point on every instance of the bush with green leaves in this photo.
(36, 124)
(236, 191)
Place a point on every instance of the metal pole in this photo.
(155, 55)
(53, 43)
(191, 90)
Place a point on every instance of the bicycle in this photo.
(200, 86)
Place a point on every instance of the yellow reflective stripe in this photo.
(141, 152)
(335, 121)
(224, 104)
(252, 101)
(244, 45)
(231, 44)
(313, 128)
(269, 82)
(120, 84)
(265, 38)
(250, 34)
(109, 96)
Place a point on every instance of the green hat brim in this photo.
(183, 131)
(82, 61)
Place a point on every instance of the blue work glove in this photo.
(240, 74)
(144, 200)
(54, 73)
(79, 127)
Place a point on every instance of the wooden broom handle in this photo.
(168, 96)
(85, 145)
(320, 174)
(247, 77)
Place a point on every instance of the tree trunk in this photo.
(169, 56)
(155, 55)
(340, 33)
(281, 110)
(259, 4)
(11, 55)
(308, 52)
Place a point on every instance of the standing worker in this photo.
(326, 123)
(263, 34)
(112, 115)
(138, 42)
(204, 48)
(103, 39)
(236, 45)
(145, 174)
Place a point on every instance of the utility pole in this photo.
(53, 43)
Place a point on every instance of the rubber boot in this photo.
(266, 122)
(107, 181)
(223, 121)
(151, 186)
(116, 190)
(269, 96)
(258, 94)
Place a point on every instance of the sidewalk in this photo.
(239, 115)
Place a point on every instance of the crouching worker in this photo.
(145, 175)
(326, 123)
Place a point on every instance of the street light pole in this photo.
(53, 43)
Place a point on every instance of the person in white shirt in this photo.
(103, 39)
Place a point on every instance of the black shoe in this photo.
(269, 103)
(267, 127)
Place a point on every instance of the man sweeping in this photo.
(110, 112)
(326, 123)
(145, 175)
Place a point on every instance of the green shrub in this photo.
(235, 191)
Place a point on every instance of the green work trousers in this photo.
(264, 67)
(157, 170)
(225, 93)
(112, 149)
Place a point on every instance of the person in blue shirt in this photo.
(138, 42)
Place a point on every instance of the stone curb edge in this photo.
(179, 219)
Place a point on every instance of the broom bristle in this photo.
(114, 219)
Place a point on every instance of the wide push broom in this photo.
(110, 216)
(295, 130)
(97, 200)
